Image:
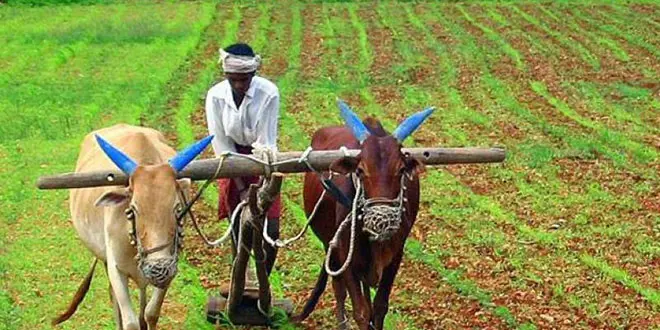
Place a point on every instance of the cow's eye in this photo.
(178, 208)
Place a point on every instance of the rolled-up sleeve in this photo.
(220, 141)
(267, 130)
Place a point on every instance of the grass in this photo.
(581, 147)
(651, 295)
(61, 99)
(639, 152)
(493, 36)
(568, 42)
(612, 28)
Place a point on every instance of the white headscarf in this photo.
(239, 63)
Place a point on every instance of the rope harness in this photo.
(381, 217)
(268, 164)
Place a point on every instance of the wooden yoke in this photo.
(288, 162)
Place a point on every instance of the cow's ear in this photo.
(184, 184)
(414, 165)
(344, 165)
(113, 198)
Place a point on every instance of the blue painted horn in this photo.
(125, 163)
(411, 124)
(184, 157)
(353, 121)
(128, 165)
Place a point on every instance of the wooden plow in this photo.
(250, 305)
(253, 306)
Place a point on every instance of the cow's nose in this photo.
(159, 272)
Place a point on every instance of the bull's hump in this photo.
(334, 137)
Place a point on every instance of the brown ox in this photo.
(385, 212)
(133, 230)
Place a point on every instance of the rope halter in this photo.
(382, 216)
(158, 272)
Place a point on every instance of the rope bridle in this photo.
(381, 217)
(159, 271)
(176, 245)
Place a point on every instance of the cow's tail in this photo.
(78, 298)
(314, 297)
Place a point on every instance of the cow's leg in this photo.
(153, 308)
(340, 308)
(382, 300)
(143, 305)
(119, 283)
(117, 312)
(113, 300)
(361, 307)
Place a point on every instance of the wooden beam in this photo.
(238, 166)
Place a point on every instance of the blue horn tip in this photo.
(353, 121)
(121, 160)
(412, 123)
(185, 156)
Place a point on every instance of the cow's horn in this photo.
(353, 121)
(125, 163)
(410, 124)
(185, 156)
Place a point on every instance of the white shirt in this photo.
(253, 123)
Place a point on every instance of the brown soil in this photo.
(313, 40)
(480, 178)
(382, 44)
(637, 56)
(603, 14)
(552, 75)
(649, 10)
(275, 59)
(420, 293)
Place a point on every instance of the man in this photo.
(242, 112)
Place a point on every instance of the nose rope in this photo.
(374, 211)
(188, 209)
(328, 187)
(268, 166)
(382, 216)
(352, 218)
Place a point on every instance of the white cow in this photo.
(133, 230)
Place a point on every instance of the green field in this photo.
(564, 235)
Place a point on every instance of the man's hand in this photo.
(242, 188)
(244, 194)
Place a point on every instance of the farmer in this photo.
(242, 113)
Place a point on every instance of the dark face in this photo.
(381, 166)
(239, 82)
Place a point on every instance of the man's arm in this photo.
(220, 142)
(267, 130)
